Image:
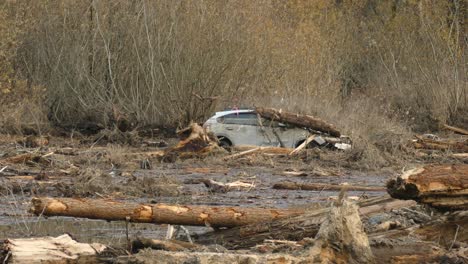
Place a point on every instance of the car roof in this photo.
(228, 112)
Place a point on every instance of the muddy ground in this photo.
(82, 167)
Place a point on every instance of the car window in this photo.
(239, 119)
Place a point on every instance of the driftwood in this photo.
(62, 249)
(299, 120)
(294, 229)
(456, 130)
(341, 238)
(216, 186)
(250, 150)
(323, 187)
(197, 215)
(264, 150)
(441, 186)
(195, 142)
(302, 146)
(443, 145)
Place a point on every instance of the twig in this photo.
(455, 237)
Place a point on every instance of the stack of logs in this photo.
(435, 146)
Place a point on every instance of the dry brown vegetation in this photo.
(377, 69)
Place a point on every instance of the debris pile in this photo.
(346, 231)
(455, 147)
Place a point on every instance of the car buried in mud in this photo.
(245, 127)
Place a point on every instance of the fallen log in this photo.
(62, 249)
(441, 186)
(323, 187)
(299, 120)
(443, 145)
(457, 130)
(197, 215)
(294, 228)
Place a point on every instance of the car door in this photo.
(241, 128)
(277, 134)
(267, 133)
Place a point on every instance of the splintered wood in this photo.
(215, 216)
(62, 249)
(195, 142)
(341, 238)
(441, 186)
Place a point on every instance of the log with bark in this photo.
(294, 228)
(441, 186)
(62, 249)
(299, 120)
(324, 187)
(196, 215)
(341, 239)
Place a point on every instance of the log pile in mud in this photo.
(300, 120)
(441, 186)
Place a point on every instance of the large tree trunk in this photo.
(441, 186)
(298, 120)
(195, 215)
(324, 187)
(295, 228)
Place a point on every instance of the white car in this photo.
(243, 127)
